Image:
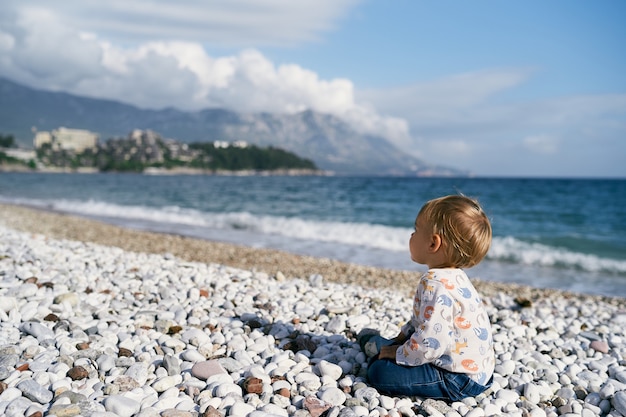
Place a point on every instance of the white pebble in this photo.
(327, 369)
(122, 406)
(166, 382)
(241, 409)
(333, 396)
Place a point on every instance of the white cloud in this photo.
(466, 121)
(43, 50)
(458, 147)
(438, 100)
(544, 144)
(40, 48)
(220, 22)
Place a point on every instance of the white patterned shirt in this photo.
(449, 327)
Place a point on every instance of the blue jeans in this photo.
(426, 380)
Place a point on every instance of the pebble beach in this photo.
(97, 320)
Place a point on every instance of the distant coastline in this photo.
(242, 173)
(79, 151)
(172, 171)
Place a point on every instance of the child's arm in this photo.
(430, 336)
(400, 339)
(388, 352)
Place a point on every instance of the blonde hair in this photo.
(463, 226)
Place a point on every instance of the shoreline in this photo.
(71, 227)
(296, 172)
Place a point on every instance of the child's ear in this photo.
(435, 243)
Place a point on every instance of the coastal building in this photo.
(18, 153)
(144, 137)
(41, 139)
(222, 144)
(146, 147)
(180, 151)
(77, 140)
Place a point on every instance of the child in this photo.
(446, 350)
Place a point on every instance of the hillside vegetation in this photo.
(151, 151)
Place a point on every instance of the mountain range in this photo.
(325, 139)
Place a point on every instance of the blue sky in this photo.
(526, 88)
(382, 44)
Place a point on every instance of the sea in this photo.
(567, 234)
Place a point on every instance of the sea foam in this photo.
(360, 236)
